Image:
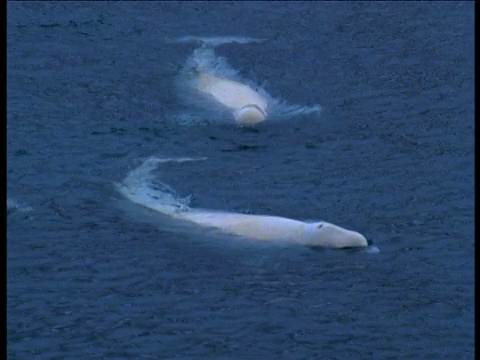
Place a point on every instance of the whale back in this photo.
(260, 227)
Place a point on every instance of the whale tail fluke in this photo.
(142, 188)
(215, 40)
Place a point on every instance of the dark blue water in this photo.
(90, 94)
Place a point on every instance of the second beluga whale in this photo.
(209, 81)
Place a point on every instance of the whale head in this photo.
(332, 236)
(250, 114)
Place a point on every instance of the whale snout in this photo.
(250, 115)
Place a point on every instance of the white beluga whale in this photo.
(208, 81)
(141, 188)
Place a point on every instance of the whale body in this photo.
(139, 187)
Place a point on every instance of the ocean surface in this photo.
(91, 94)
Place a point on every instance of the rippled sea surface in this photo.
(90, 95)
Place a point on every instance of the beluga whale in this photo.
(209, 82)
(142, 188)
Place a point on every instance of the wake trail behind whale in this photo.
(141, 187)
